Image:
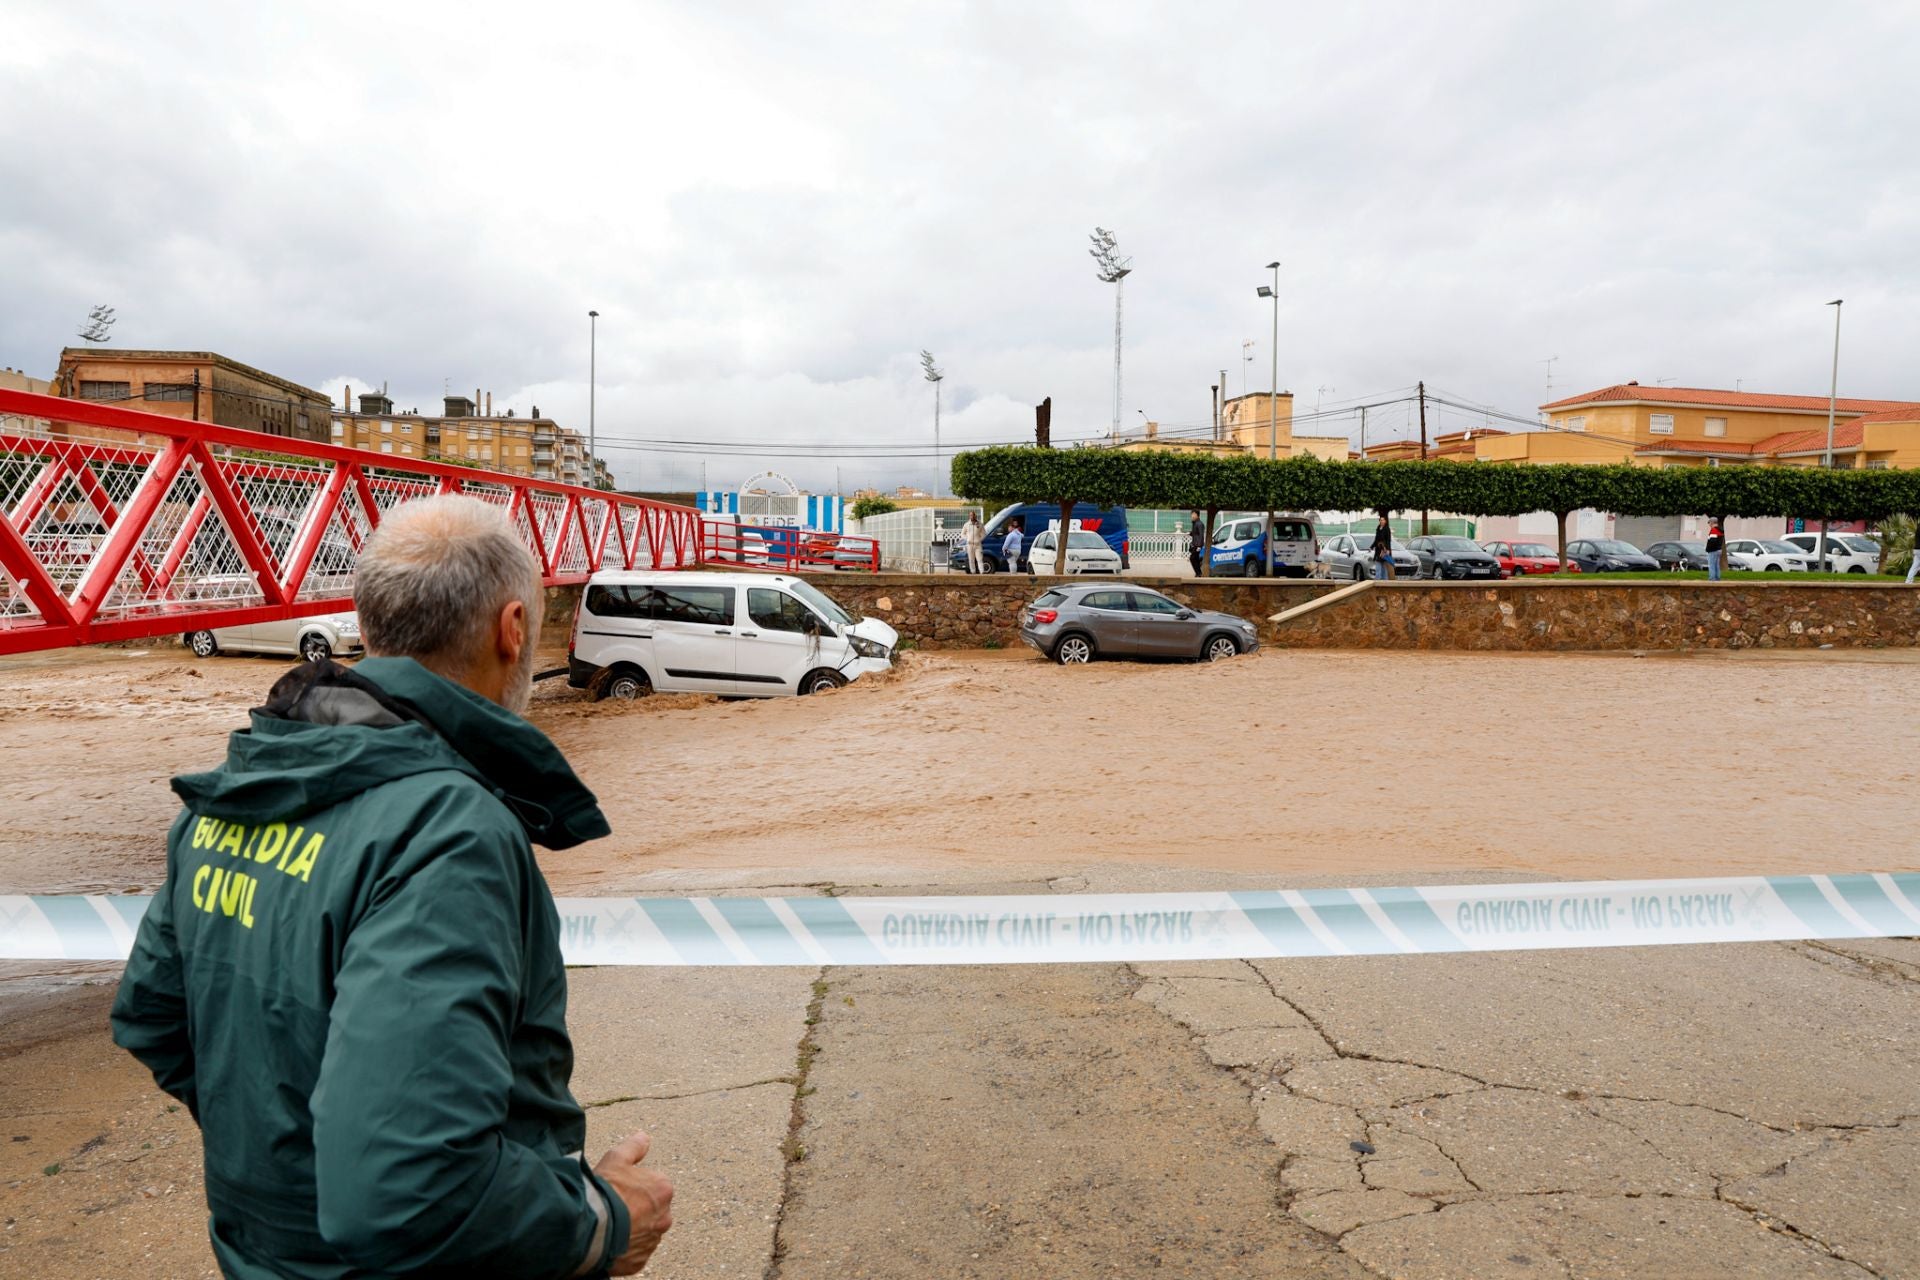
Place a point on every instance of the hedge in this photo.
(1142, 478)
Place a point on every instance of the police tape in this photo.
(1121, 927)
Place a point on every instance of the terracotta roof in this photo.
(1907, 413)
(1632, 391)
(1846, 435)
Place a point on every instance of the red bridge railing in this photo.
(117, 524)
(785, 550)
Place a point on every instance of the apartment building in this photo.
(202, 386)
(467, 433)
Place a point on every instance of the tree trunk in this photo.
(1060, 541)
(1268, 540)
(1560, 522)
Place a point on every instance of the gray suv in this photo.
(1083, 621)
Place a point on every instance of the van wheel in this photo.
(1220, 647)
(625, 684)
(314, 647)
(1074, 650)
(202, 643)
(1253, 569)
(822, 680)
(1856, 568)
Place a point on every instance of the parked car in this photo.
(1846, 552)
(1086, 553)
(323, 636)
(1078, 622)
(1770, 556)
(1681, 556)
(1519, 559)
(752, 635)
(835, 552)
(1609, 555)
(1350, 555)
(1240, 547)
(1037, 517)
(1444, 556)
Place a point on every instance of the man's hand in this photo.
(648, 1196)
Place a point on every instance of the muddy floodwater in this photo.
(1281, 763)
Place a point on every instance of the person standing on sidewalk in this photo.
(1196, 542)
(1716, 550)
(1010, 548)
(1383, 550)
(351, 975)
(971, 535)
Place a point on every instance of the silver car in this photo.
(1079, 622)
(1350, 555)
(316, 638)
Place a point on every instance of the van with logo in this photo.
(1240, 546)
(1035, 519)
(753, 635)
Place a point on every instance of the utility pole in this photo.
(1220, 418)
(1423, 444)
(1363, 433)
(1213, 402)
(1833, 393)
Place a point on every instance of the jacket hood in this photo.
(328, 733)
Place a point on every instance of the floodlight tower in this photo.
(1112, 269)
(933, 375)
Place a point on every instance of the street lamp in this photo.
(593, 353)
(1273, 403)
(1273, 413)
(1833, 392)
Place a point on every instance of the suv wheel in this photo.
(202, 643)
(626, 684)
(1073, 650)
(314, 647)
(1221, 647)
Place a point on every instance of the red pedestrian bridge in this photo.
(117, 524)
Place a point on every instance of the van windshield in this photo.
(821, 601)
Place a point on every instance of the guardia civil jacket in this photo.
(352, 978)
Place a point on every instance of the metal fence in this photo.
(908, 537)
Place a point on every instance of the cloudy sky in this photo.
(774, 207)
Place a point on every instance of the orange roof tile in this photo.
(1633, 391)
(1906, 413)
(1700, 446)
(1846, 435)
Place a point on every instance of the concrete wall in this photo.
(954, 611)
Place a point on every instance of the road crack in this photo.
(791, 1149)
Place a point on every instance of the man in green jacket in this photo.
(352, 974)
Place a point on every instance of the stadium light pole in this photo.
(933, 375)
(1112, 269)
(1833, 394)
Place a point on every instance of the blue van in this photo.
(1034, 517)
(1240, 546)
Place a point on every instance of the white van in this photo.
(755, 635)
(1846, 552)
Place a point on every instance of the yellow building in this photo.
(466, 433)
(1694, 426)
(1254, 419)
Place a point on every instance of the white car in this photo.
(753, 635)
(1768, 556)
(1846, 552)
(322, 636)
(1087, 552)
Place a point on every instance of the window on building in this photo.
(1576, 424)
(1660, 424)
(1877, 464)
(339, 429)
(168, 392)
(91, 390)
(386, 428)
(1716, 426)
(473, 455)
(406, 428)
(386, 446)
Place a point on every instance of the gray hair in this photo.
(434, 576)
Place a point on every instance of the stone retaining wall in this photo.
(955, 611)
